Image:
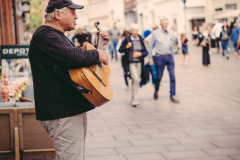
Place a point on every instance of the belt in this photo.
(166, 55)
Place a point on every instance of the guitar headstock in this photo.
(96, 24)
(100, 38)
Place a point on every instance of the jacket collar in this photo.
(164, 31)
(133, 39)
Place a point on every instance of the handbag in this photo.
(203, 43)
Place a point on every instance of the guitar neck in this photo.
(100, 38)
(100, 42)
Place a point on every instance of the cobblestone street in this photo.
(204, 126)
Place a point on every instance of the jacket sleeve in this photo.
(60, 50)
(152, 45)
(144, 51)
(123, 48)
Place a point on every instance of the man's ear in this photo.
(57, 15)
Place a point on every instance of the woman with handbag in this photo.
(204, 42)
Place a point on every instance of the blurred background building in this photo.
(222, 9)
(11, 22)
(146, 13)
(130, 12)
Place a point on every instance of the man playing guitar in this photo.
(59, 106)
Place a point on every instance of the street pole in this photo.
(185, 18)
(184, 2)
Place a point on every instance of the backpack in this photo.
(224, 35)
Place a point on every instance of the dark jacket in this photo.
(54, 97)
(221, 34)
(129, 52)
(80, 38)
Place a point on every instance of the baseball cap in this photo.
(58, 4)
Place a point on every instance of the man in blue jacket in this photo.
(162, 41)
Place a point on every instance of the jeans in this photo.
(114, 48)
(235, 47)
(135, 69)
(224, 47)
(160, 63)
(68, 136)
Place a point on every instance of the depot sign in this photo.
(14, 51)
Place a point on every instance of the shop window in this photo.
(231, 6)
(218, 9)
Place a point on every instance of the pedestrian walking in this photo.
(88, 36)
(114, 37)
(238, 21)
(238, 44)
(234, 36)
(212, 36)
(79, 39)
(184, 41)
(162, 41)
(149, 37)
(217, 30)
(204, 42)
(224, 39)
(135, 47)
(194, 34)
(60, 108)
(175, 40)
(125, 60)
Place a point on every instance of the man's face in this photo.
(164, 24)
(114, 25)
(68, 19)
(134, 33)
(224, 23)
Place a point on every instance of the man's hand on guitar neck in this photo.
(105, 36)
(103, 56)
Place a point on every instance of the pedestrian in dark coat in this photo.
(125, 60)
(205, 36)
(134, 46)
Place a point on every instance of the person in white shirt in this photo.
(217, 29)
(213, 37)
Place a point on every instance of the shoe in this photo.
(155, 96)
(128, 88)
(135, 103)
(174, 100)
(227, 57)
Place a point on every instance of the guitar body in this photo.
(101, 93)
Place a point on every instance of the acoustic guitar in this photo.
(94, 78)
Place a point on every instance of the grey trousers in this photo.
(68, 136)
(135, 70)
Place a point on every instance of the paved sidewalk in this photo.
(204, 126)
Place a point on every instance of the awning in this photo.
(234, 13)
